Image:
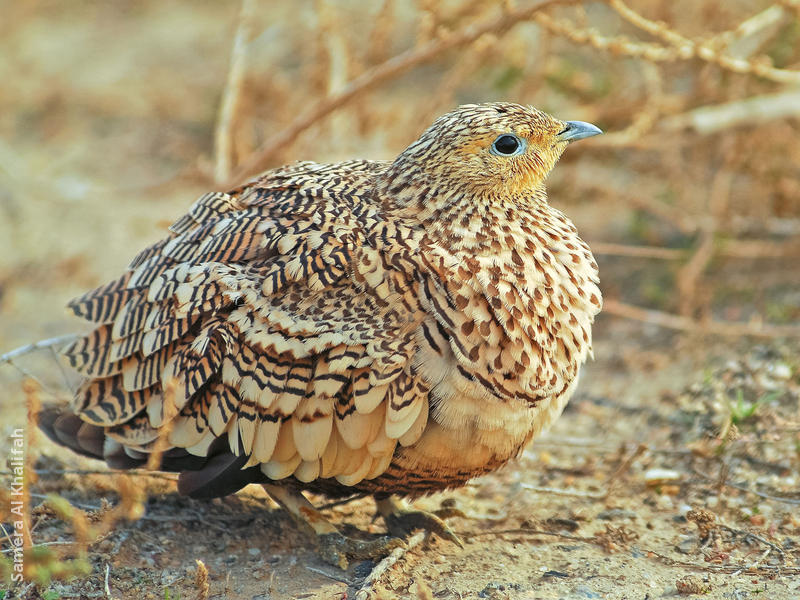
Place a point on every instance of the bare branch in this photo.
(366, 589)
(749, 112)
(223, 135)
(677, 46)
(686, 48)
(734, 249)
(679, 323)
(62, 340)
(609, 249)
(390, 69)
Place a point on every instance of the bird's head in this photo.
(495, 150)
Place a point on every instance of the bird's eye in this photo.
(507, 145)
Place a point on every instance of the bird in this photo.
(387, 328)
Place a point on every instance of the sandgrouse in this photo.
(368, 326)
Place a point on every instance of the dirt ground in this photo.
(612, 503)
(674, 471)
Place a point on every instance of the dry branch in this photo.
(623, 467)
(733, 249)
(679, 323)
(106, 588)
(686, 48)
(741, 488)
(676, 46)
(389, 69)
(749, 112)
(756, 569)
(366, 589)
(620, 45)
(609, 249)
(750, 35)
(62, 340)
(223, 135)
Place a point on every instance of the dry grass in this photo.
(122, 112)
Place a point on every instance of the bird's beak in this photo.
(577, 130)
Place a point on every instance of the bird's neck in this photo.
(461, 217)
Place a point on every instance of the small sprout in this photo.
(741, 410)
(168, 596)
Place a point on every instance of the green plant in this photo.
(741, 410)
(167, 595)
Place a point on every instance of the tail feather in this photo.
(221, 475)
(218, 474)
(67, 429)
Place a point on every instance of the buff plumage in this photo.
(385, 327)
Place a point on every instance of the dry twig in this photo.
(367, 587)
(679, 323)
(62, 340)
(226, 120)
(769, 570)
(106, 587)
(387, 70)
(741, 488)
(610, 249)
(602, 494)
(685, 48)
(749, 112)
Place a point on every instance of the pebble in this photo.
(554, 574)
(654, 477)
(780, 371)
(665, 503)
(616, 513)
(584, 592)
(687, 544)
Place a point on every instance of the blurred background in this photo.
(115, 116)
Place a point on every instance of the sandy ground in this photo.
(596, 508)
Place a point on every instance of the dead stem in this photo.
(526, 531)
(61, 340)
(755, 110)
(602, 494)
(387, 70)
(226, 120)
(738, 568)
(748, 490)
(679, 323)
(367, 587)
(687, 48)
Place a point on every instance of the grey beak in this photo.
(577, 130)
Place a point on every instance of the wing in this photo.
(267, 321)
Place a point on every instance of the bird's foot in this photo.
(338, 549)
(334, 547)
(402, 520)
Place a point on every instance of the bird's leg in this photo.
(334, 548)
(401, 520)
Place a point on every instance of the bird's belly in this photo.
(455, 448)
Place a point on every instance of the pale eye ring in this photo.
(508, 144)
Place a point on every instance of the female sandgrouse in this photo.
(368, 326)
